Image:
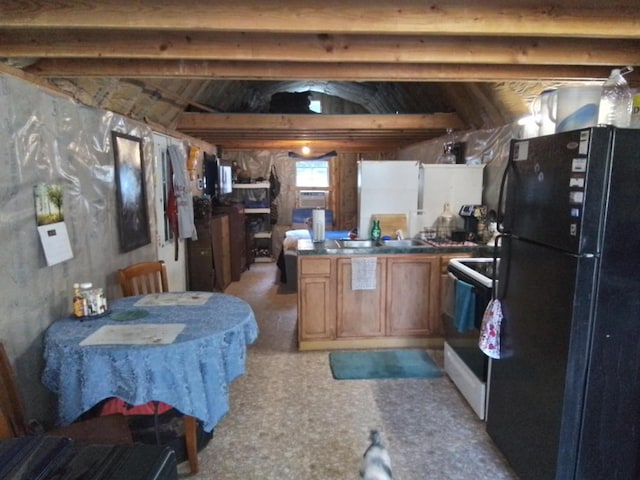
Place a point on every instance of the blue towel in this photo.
(465, 306)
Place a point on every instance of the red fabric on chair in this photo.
(116, 405)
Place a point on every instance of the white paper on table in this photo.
(148, 334)
(55, 242)
(169, 299)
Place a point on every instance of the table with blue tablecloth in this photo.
(191, 373)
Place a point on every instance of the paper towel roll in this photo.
(318, 225)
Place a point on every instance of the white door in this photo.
(165, 244)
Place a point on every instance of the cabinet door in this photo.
(221, 254)
(237, 246)
(316, 317)
(360, 313)
(200, 264)
(412, 295)
(316, 291)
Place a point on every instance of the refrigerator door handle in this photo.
(501, 213)
(499, 289)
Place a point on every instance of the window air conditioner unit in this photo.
(312, 199)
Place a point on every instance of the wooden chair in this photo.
(151, 277)
(112, 429)
(143, 278)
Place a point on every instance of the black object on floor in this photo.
(33, 458)
(115, 462)
(169, 430)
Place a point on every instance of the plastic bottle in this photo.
(78, 302)
(635, 109)
(615, 99)
(376, 232)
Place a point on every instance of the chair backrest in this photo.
(143, 278)
(12, 414)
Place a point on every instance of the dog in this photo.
(376, 463)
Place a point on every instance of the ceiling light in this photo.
(306, 150)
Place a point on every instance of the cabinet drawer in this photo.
(315, 266)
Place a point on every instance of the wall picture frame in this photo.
(131, 198)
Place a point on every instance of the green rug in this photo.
(361, 365)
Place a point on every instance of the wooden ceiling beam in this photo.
(346, 132)
(316, 48)
(448, 17)
(341, 145)
(255, 122)
(227, 70)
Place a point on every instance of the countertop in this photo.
(331, 247)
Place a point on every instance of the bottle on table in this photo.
(85, 291)
(376, 232)
(78, 302)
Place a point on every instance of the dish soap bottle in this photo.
(376, 232)
(615, 100)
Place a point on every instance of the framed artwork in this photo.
(131, 198)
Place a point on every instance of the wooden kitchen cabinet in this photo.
(412, 295)
(316, 299)
(360, 313)
(403, 311)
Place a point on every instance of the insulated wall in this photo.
(48, 138)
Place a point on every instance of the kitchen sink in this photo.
(406, 242)
(356, 243)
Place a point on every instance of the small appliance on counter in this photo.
(470, 221)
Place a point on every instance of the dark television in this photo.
(217, 177)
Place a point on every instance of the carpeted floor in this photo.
(290, 419)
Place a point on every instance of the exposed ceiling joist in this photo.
(490, 18)
(402, 72)
(244, 131)
(154, 59)
(320, 48)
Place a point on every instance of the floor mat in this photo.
(360, 365)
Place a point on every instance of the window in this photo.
(315, 106)
(312, 173)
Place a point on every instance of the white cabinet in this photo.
(439, 184)
(256, 201)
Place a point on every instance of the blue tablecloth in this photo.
(191, 374)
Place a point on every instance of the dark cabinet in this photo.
(237, 238)
(208, 257)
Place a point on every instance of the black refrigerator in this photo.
(564, 398)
